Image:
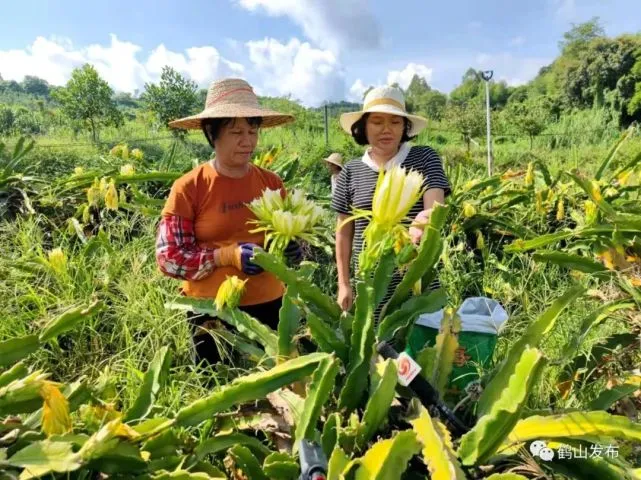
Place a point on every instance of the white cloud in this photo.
(565, 9)
(308, 74)
(517, 41)
(404, 77)
(331, 24)
(118, 63)
(515, 70)
(357, 90)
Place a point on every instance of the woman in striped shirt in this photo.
(386, 127)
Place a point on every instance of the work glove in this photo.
(293, 253)
(239, 256)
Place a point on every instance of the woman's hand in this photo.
(345, 296)
(421, 220)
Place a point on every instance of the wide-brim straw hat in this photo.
(232, 98)
(384, 100)
(335, 159)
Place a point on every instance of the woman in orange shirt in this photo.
(203, 236)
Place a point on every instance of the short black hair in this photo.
(212, 126)
(359, 132)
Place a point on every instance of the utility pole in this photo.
(487, 76)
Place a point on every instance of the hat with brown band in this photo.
(232, 98)
(384, 100)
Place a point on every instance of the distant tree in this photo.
(27, 122)
(174, 97)
(202, 96)
(86, 100)
(529, 117)
(468, 119)
(125, 99)
(580, 35)
(35, 86)
(469, 89)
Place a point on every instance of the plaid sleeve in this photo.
(177, 254)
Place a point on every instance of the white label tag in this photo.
(407, 369)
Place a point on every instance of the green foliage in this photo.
(86, 99)
(174, 97)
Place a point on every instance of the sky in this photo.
(311, 50)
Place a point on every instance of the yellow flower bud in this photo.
(610, 192)
(137, 154)
(540, 208)
(468, 210)
(529, 175)
(111, 196)
(94, 193)
(590, 211)
(127, 170)
(480, 241)
(57, 260)
(122, 196)
(595, 191)
(560, 210)
(86, 214)
(229, 293)
(78, 171)
(470, 184)
(624, 177)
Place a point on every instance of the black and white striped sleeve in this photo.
(342, 196)
(432, 170)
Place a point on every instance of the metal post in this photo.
(326, 128)
(487, 76)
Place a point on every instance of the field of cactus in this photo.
(96, 371)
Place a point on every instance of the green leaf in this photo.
(506, 476)
(446, 345)
(532, 337)
(289, 319)
(40, 458)
(383, 275)
(424, 264)
(589, 468)
(607, 398)
(22, 395)
(280, 466)
(612, 152)
(247, 462)
(220, 443)
(329, 437)
(252, 329)
(596, 317)
(16, 349)
(326, 337)
(378, 404)
(410, 310)
(69, 320)
(180, 475)
(388, 459)
(319, 303)
(568, 260)
(122, 458)
(575, 424)
(485, 438)
(248, 388)
(603, 205)
(438, 450)
(361, 349)
(337, 464)
(14, 373)
(318, 392)
(538, 242)
(152, 382)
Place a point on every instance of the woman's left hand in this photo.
(422, 219)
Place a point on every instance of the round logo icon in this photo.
(537, 446)
(546, 454)
(403, 366)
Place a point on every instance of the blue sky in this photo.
(312, 49)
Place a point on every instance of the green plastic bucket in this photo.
(481, 319)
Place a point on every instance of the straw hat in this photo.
(232, 98)
(335, 159)
(384, 100)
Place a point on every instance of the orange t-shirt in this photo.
(217, 206)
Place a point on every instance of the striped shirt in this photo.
(355, 189)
